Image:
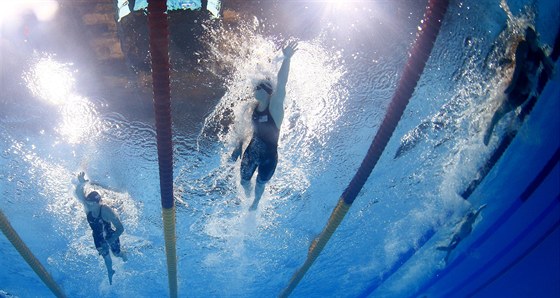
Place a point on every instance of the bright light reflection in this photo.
(347, 15)
(345, 5)
(51, 81)
(79, 120)
(44, 10)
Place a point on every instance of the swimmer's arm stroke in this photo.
(241, 136)
(109, 215)
(237, 151)
(79, 191)
(277, 100)
(284, 72)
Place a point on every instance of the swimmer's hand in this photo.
(81, 178)
(290, 49)
(237, 152)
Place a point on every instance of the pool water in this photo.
(349, 61)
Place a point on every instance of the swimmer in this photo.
(464, 229)
(268, 113)
(528, 58)
(100, 217)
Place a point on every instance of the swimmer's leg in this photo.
(247, 169)
(259, 190)
(447, 256)
(246, 187)
(497, 116)
(116, 249)
(122, 255)
(109, 265)
(502, 110)
(266, 170)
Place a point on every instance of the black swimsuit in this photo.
(524, 84)
(101, 230)
(262, 151)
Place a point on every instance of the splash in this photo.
(469, 154)
(314, 101)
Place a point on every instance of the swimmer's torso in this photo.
(265, 129)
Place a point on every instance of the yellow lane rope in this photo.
(28, 256)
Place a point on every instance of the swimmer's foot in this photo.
(247, 192)
(111, 273)
(246, 187)
(253, 207)
(255, 204)
(487, 138)
(123, 256)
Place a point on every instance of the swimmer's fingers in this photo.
(290, 49)
(81, 177)
(293, 45)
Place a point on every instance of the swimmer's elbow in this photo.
(119, 228)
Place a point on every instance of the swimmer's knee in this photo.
(116, 247)
(103, 251)
(262, 181)
(246, 175)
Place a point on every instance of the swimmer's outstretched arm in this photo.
(79, 191)
(82, 182)
(276, 105)
(284, 71)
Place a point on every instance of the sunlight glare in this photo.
(347, 14)
(44, 10)
(336, 3)
(348, 5)
(9, 8)
(51, 81)
(79, 120)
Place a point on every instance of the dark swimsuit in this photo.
(101, 230)
(262, 151)
(524, 84)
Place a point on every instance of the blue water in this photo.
(341, 81)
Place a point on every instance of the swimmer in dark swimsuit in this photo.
(462, 230)
(100, 217)
(261, 153)
(528, 58)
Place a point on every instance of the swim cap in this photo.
(265, 85)
(93, 196)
